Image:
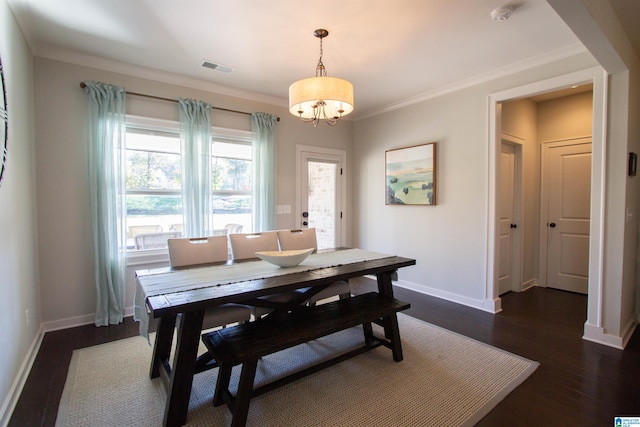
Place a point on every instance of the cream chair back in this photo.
(245, 245)
(297, 239)
(199, 250)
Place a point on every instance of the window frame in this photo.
(164, 126)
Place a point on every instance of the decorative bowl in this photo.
(285, 258)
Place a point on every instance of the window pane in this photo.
(152, 219)
(232, 209)
(154, 204)
(230, 174)
(153, 171)
(232, 150)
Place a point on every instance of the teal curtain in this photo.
(264, 159)
(106, 149)
(195, 139)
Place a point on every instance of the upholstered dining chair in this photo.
(186, 252)
(245, 246)
(306, 239)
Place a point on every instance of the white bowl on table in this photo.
(285, 258)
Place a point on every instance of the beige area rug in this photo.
(445, 379)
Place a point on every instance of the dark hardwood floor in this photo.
(578, 383)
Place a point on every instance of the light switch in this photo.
(286, 209)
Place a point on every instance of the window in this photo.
(154, 184)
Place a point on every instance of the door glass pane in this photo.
(322, 202)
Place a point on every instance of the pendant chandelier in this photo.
(321, 97)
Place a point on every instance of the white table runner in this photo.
(166, 282)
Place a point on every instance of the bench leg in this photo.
(394, 337)
(222, 384)
(368, 333)
(245, 388)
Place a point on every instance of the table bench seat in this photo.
(246, 343)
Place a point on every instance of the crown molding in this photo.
(175, 79)
(155, 75)
(539, 60)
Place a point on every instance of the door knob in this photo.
(305, 214)
(513, 226)
(552, 225)
(305, 223)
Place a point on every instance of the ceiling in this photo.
(394, 52)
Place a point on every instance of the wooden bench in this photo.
(246, 343)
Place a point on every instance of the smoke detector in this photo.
(215, 66)
(501, 14)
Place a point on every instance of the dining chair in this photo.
(245, 246)
(306, 239)
(188, 252)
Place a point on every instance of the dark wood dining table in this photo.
(183, 311)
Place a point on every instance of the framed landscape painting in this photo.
(411, 175)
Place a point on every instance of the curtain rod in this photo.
(82, 85)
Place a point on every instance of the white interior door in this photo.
(506, 213)
(321, 194)
(568, 191)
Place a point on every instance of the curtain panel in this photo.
(107, 160)
(195, 139)
(264, 158)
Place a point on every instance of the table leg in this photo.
(181, 379)
(162, 345)
(391, 330)
(385, 287)
(385, 284)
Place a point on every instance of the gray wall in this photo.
(449, 240)
(19, 239)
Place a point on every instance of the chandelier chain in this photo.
(321, 71)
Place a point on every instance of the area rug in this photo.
(445, 379)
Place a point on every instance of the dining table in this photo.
(179, 297)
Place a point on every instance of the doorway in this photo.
(598, 77)
(320, 189)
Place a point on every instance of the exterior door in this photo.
(320, 202)
(567, 227)
(507, 214)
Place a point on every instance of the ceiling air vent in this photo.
(214, 66)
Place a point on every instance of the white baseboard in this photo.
(491, 306)
(72, 322)
(597, 334)
(11, 400)
(528, 285)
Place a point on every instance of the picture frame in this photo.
(410, 175)
(4, 124)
